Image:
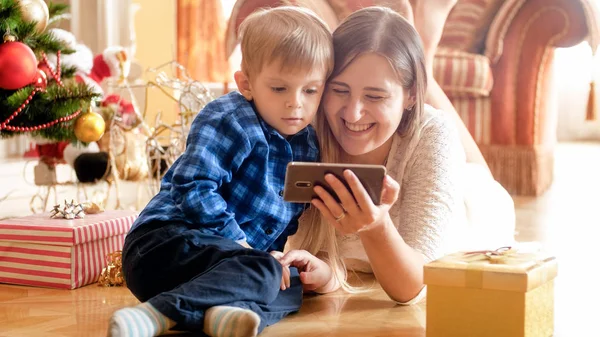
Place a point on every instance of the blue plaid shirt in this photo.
(229, 180)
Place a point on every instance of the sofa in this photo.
(495, 65)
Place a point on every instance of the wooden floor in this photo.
(566, 220)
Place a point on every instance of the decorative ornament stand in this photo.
(138, 152)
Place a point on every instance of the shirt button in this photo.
(269, 231)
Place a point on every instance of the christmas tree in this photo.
(36, 98)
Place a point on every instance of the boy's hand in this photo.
(315, 274)
(285, 270)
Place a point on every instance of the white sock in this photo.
(139, 321)
(223, 321)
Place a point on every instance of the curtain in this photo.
(200, 40)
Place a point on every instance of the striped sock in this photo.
(223, 321)
(139, 321)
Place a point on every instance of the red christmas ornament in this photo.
(45, 68)
(18, 65)
(40, 80)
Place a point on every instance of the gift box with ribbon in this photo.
(504, 292)
(64, 249)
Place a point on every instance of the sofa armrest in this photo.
(574, 20)
(521, 45)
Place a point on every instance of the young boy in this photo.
(186, 257)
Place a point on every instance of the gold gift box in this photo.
(491, 293)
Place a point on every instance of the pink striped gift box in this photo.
(39, 251)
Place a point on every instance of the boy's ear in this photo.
(243, 84)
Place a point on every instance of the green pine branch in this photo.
(77, 91)
(55, 9)
(56, 101)
(67, 72)
(46, 43)
(54, 94)
(8, 8)
(46, 107)
(58, 12)
(11, 22)
(16, 99)
(24, 29)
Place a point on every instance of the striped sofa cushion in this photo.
(468, 24)
(462, 74)
(476, 113)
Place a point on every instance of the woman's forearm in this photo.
(330, 286)
(333, 284)
(397, 267)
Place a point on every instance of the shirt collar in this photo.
(307, 136)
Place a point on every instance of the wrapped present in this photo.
(39, 250)
(506, 292)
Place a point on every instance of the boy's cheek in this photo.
(318, 97)
(315, 106)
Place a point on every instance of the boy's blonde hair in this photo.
(294, 36)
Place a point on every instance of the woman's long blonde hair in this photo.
(382, 31)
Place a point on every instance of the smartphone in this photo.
(302, 177)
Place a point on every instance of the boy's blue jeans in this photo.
(182, 273)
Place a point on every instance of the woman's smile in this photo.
(358, 128)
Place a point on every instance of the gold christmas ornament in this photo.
(89, 127)
(35, 10)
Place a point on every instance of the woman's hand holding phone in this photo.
(355, 212)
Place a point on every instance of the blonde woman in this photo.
(434, 200)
